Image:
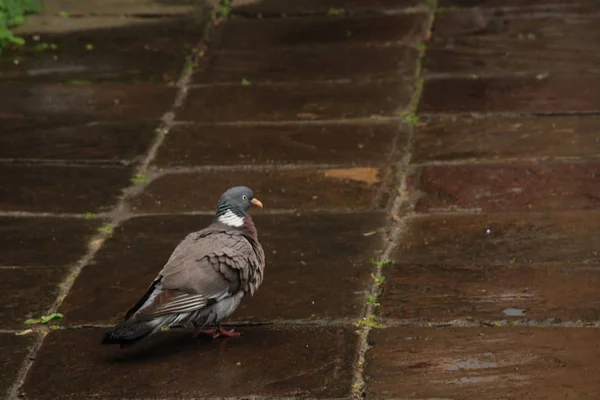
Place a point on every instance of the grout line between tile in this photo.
(97, 241)
(400, 204)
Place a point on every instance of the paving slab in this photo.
(61, 189)
(277, 362)
(307, 64)
(298, 101)
(530, 186)
(483, 363)
(543, 94)
(361, 188)
(534, 292)
(62, 139)
(475, 42)
(44, 242)
(85, 102)
(254, 34)
(558, 4)
(502, 238)
(149, 52)
(365, 144)
(334, 7)
(305, 262)
(13, 351)
(143, 7)
(27, 292)
(465, 139)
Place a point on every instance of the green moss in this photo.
(108, 229)
(43, 319)
(140, 179)
(12, 13)
(371, 321)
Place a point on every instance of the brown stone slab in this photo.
(306, 266)
(483, 363)
(547, 94)
(254, 34)
(499, 239)
(514, 3)
(13, 353)
(453, 139)
(65, 140)
(152, 52)
(509, 187)
(360, 188)
(282, 363)
(317, 6)
(297, 102)
(339, 144)
(26, 241)
(27, 292)
(522, 292)
(474, 41)
(99, 102)
(61, 189)
(276, 65)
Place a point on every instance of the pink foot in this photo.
(228, 332)
(210, 332)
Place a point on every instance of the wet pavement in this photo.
(429, 175)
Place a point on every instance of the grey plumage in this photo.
(206, 277)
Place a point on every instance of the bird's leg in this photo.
(198, 330)
(228, 332)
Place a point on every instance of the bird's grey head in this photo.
(233, 205)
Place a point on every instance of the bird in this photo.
(205, 278)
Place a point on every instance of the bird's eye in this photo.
(244, 197)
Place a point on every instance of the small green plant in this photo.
(371, 321)
(43, 319)
(381, 263)
(372, 300)
(335, 12)
(378, 279)
(89, 215)
(12, 13)
(139, 179)
(223, 9)
(64, 14)
(246, 82)
(108, 229)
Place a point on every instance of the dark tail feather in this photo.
(129, 332)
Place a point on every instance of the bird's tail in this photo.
(130, 331)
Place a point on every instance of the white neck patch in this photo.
(230, 219)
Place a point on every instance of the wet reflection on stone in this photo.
(318, 254)
(44, 242)
(27, 293)
(465, 139)
(477, 41)
(509, 187)
(304, 189)
(91, 102)
(153, 52)
(64, 139)
(543, 94)
(243, 34)
(13, 351)
(277, 362)
(61, 189)
(314, 64)
(297, 102)
(317, 6)
(516, 291)
(460, 363)
(339, 144)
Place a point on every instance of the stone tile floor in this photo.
(429, 171)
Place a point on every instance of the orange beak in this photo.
(256, 202)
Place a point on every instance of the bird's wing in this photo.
(206, 267)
